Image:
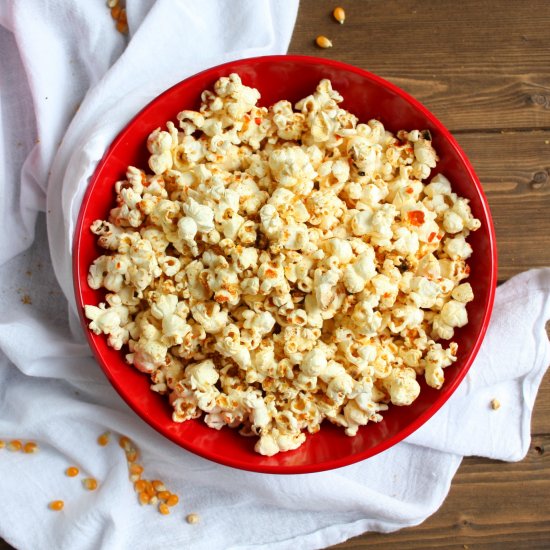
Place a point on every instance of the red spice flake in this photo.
(409, 190)
(258, 120)
(432, 236)
(416, 217)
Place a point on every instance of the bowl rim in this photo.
(442, 398)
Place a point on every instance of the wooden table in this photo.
(483, 68)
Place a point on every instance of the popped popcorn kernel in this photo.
(192, 518)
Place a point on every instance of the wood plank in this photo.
(514, 168)
(474, 64)
(540, 422)
(490, 505)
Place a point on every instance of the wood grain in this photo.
(474, 64)
(484, 509)
(514, 168)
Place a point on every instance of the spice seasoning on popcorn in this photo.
(281, 266)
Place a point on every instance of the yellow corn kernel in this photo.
(72, 471)
(158, 485)
(124, 442)
(56, 505)
(495, 404)
(339, 14)
(150, 490)
(136, 469)
(144, 498)
(103, 439)
(90, 483)
(121, 27)
(163, 495)
(115, 12)
(172, 500)
(323, 42)
(15, 445)
(122, 22)
(131, 455)
(123, 18)
(193, 518)
(163, 509)
(30, 447)
(140, 485)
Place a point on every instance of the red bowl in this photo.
(367, 96)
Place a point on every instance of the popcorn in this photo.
(402, 386)
(202, 215)
(453, 313)
(210, 316)
(457, 248)
(463, 293)
(435, 361)
(111, 321)
(283, 266)
(160, 144)
(314, 362)
(291, 168)
(358, 273)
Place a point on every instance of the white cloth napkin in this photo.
(53, 57)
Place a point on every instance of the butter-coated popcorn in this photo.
(463, 293)
(402, 386)
(282, 266)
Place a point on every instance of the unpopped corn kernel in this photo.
(30, 447)
(14, 445)
(339, 14)
(172, 500)
(56, 505)
(323, 42)
(103, 439)
(90, 483)
(72, 471)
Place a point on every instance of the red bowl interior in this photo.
(367, 96)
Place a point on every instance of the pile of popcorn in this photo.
(282, 266)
